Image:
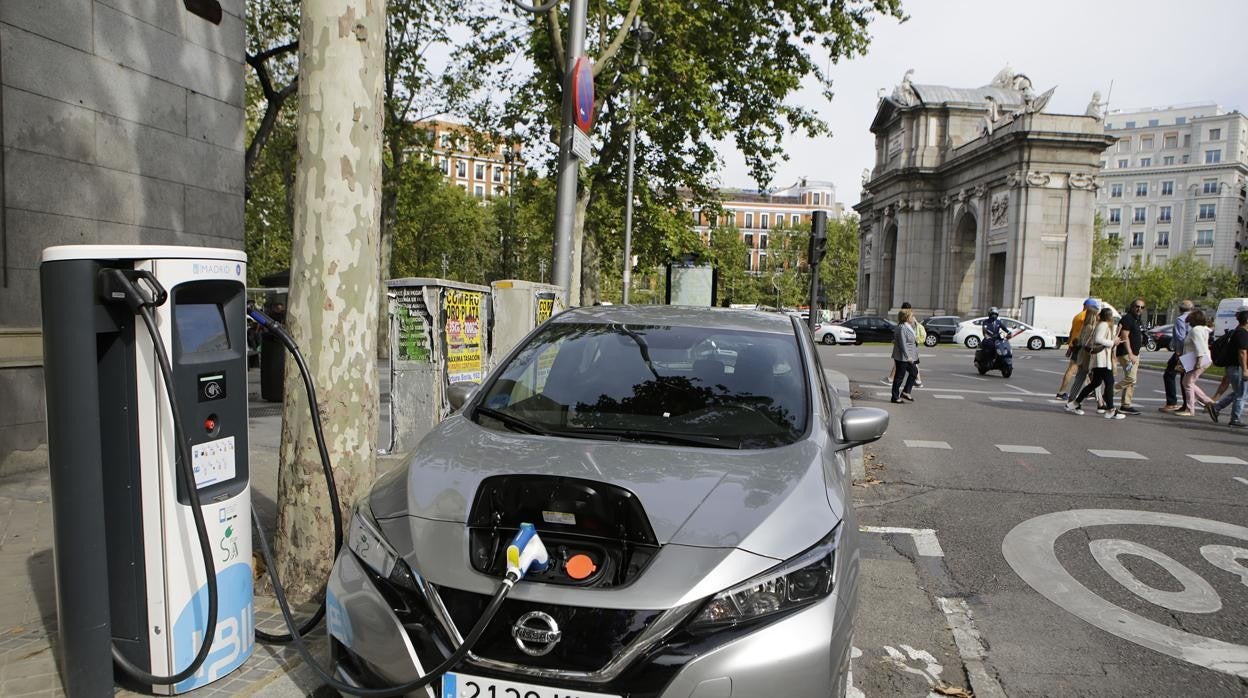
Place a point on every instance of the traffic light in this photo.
(818, 238)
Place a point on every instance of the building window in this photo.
(478, 191)
(1115, 191)
(1146, 142)
(1115, 215)
(762, 261)
(1141, 188)
(445, 140)
(1207, 212)
(1210, 187)
(1167, 160)
(796, 219)
(1204, 238)
(815, 198)
(1167, 188)
(1113, 235)
(1103, 164)
(1215, 134)
(749, 240)
(730, 218)
(1123, 163)
(749, 220)
(1179, 121)
(461, 168)
(1124, 145)
(444, 165)
(749, 261)
(1213, 157)
(1163, 214)
(763, 220)
(498, 173)
(1146, 162)
(1141, 215)
(480, 171)
(1163, 238)
(1170, 140)
(1186, 158)
(762, 241)
(1154, 122)
(1130, 124)
(1137, 239)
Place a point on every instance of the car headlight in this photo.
(793, 584)
(364, 538)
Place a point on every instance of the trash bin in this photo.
(518, 307)
(272, 351)
(437, 337)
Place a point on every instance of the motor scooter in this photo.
(995, 354)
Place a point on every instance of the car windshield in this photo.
(683, 385)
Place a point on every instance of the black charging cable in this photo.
(275, 327)
(141, 292)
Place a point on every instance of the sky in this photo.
(1156, 53)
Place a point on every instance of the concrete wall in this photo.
(122, 123)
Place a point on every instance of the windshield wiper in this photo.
(663, 437)
(514, 422)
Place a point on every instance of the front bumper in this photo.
(807, 651)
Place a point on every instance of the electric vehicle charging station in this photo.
(130, 573)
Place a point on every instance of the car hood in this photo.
(766, 502)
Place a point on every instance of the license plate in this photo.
(464, 686)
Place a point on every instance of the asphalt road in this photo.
(1016, 549)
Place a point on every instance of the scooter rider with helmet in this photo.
(994, 331)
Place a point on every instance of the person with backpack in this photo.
(1195, 360)
(1100, 350)
(1173, 370)
(1233, 356)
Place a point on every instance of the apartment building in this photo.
(480, 166)
(1176, 180)
(758, 215)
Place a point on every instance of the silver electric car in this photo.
(688, 472)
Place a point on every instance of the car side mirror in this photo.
(460, 392)
(863, 425)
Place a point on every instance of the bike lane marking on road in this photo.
(925, 541)
(1011, 448)
(1218, 460)
(1240, 479)
(911, 443)
(1125, 455)
(1030, 550)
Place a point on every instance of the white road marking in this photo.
(1240, 480)
(1128, 455)
(1196, 596)
(925, 541)
(930, 672)
(947, 397)
(1006, 399)
(1045, 370)
(1021, 390)
(1009, 448)
(927, 444)
(852, 691)
(1222, 460)
(970, 647)
(883, 394)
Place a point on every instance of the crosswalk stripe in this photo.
(1126, 455)
(1221, 460)
(927, 444)
(1006, 399)
(947, 397)
(1009, 448)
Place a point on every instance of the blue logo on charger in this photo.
(235, 636)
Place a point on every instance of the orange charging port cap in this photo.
(580, 566)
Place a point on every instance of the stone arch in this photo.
(888, 267)
(961, 292)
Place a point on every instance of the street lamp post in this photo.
(643, 35)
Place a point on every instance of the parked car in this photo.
(941, 328)
(871, 328)
(1158, 338)
(835, 334)
(697, 512)
(970, 332)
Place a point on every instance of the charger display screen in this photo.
(201, 328)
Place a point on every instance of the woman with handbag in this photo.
(1196, 354)
(1102, 364)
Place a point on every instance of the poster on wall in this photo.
(545, 306)
(464, 351)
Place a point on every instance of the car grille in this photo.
(591, 637)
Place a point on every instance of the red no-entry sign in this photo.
(583, 92)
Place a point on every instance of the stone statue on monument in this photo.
(1096, 107)
(904, 93)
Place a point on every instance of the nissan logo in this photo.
(536, 633)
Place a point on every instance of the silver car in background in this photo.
(688, 471)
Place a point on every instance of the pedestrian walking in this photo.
(919, 332)
(1173, 370)
(1130, 341)
(1194, 360)
(1100, 350)
(905, 357)
(1087, 334)
(1090, 308)
(1237, 373)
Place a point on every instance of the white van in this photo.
(1225, 320)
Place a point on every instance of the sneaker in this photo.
(1184, 413)
(918, 384)
(1168, 408)
(896, 402)
(1101, 410)
(1072, 407)
(1212, 411)
(1236, 424)
(1128, 409)
(1115, 415)
(886, 381)
(907, 396)
(1062, 396)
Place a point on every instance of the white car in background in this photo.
(971, 332)
(835, 334)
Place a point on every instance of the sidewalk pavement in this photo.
(28, 633)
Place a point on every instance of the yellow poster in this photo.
(464, 354)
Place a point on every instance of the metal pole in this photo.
(632, 146)
(818, 233)
(569, 166)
